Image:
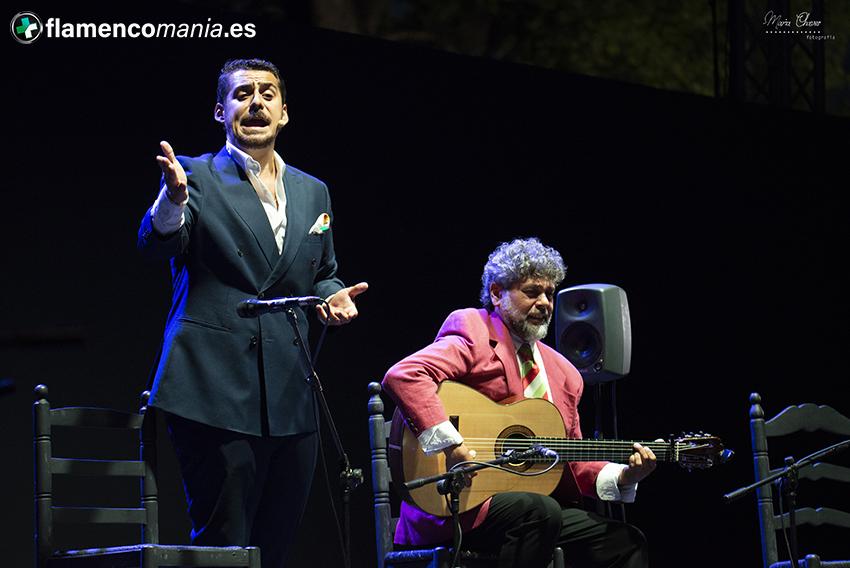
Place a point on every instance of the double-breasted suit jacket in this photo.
(216, 367)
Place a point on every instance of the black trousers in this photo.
(524, 528)
(244, 490)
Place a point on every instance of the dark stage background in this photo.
(725, 224)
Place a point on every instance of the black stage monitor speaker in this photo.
(593, 331)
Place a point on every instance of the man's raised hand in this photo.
(175, 177)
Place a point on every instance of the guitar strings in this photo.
(579, 441)
(574, 444)
(618, 450)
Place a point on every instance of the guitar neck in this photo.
(604, 450)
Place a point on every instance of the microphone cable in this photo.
(321, 339)
(556, 461)
(346, 561)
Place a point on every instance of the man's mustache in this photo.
(545, 315)
(258, 116)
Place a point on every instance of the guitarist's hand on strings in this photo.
(641, 464)
(458, 454)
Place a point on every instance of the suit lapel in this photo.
(503, 347)
(242, 197)
(296, 224)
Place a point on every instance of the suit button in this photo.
(253, 341)
(261, 295)
(239, 252)
(296, 342)
(313, 262)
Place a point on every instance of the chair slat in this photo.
(170, 555)
(125, 468)
(133, 516)
(815, 517)
(822, 470)
(82, 417)
(807, 417)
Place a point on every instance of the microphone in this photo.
(546, 452)
(532, 452)
(252, 307)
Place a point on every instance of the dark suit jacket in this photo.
(475, 347)
(216, 367)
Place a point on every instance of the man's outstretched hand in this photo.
(341, 304)
(175, 176)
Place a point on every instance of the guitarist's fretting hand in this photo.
(641, 464)
(457, 454)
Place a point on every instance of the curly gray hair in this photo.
(519, 260)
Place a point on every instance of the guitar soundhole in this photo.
(514, 438)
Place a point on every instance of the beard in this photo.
(519, 324)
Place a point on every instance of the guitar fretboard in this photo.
(594, 450)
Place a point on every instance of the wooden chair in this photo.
(385, 523)
(149, 553)
(795, 419)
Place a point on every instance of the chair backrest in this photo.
(384, 522)
(83, 420)
(803, 418)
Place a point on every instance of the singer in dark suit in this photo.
(235, 225)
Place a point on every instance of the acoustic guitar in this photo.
(493, 429)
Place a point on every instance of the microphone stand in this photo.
(789, 476)
(349, 478)
(453, 482)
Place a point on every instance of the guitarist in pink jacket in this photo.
(497, 351)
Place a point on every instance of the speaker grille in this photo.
(581, 344)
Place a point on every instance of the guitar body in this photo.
(487, 427)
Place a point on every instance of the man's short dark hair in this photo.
(246, 65)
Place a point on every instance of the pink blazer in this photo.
(474, 347)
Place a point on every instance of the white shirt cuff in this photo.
(166, 217)
(439, 437)
(607, 488)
